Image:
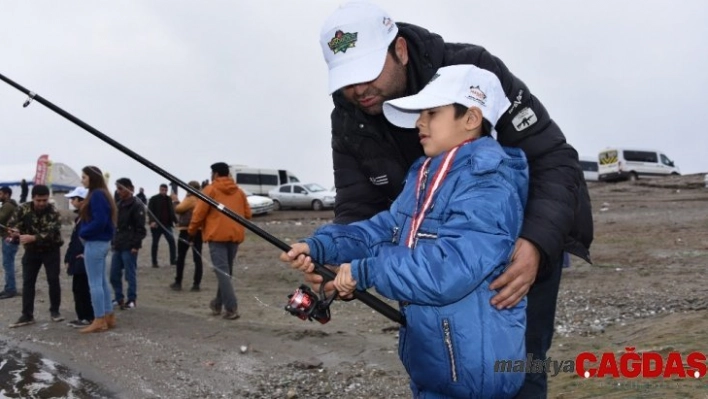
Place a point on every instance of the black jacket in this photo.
(75, 248)
(162, 210)
(371, 156)
(130, 230)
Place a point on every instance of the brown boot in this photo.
(98, 325)
(110, 320)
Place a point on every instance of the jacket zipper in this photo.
(448, 342)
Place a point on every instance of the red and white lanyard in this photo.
(440, 175)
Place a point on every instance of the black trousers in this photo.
(82, 297)
(156, 233)
(540, 325)
(182, 249)
(31, 263)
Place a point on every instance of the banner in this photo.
(40, 175)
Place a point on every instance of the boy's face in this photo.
(439, 131)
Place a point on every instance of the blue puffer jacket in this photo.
(453, 335)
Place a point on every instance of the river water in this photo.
(30, 375)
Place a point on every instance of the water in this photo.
(30, 375)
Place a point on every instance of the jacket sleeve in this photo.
(246, 208)
(184, 206)
(152, 209)
(138, 220)
(6, 212)
(200, 213)
(16, 218)
(475, 241)
(100, 216)
(356, 197)
(556, 186)
(334, 244)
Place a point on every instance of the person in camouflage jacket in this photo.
(37, 226)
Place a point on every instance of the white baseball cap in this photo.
(355, 40)
(456, 84)
(80, 192)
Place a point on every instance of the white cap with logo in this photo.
(355, 40)
(80, 192)
(467, 85)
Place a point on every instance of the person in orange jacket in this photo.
(222, 234)
(184, 211)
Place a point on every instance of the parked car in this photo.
(259, 205)
(590, 167)
(299, 195)
(632, 164)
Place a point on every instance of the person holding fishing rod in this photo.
(446, 237)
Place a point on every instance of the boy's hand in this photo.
(344, 283)
(297, 257)
(516, 281)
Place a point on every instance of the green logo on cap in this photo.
(342, 41)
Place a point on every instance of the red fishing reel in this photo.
(306, 305)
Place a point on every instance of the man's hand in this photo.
(134, 251)
(27, 239)
(153, 225)
(516, 281)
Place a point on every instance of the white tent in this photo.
(60, 176)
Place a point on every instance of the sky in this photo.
(187, 83)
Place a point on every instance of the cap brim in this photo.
(404, 111)
(364, 69)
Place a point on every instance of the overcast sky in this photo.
(188, 83)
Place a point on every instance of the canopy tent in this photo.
(60, 176)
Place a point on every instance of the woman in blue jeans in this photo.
(98, 219)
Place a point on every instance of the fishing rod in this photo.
(303, 303)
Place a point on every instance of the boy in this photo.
(74, 262)
(443, 241)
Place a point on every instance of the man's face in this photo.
(123, 192)
(163, 190)
(3, 197)
(390, 84)
(40, 202)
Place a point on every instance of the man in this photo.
(37, 225)
(141, 196)
(9, 247)
(130, 231)
(162, 218)
(222, 234)
(371, 59)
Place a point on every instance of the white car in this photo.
(302, 195)
(259, 204)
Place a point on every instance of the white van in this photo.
(590, 168)
(259, 181)
(632, 164)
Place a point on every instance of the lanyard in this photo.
(440, 175)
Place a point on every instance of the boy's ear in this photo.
(474, 118)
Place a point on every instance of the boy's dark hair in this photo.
(7, 190)
(125, 182)
(39, 190)
(461, 110)
(163, 185)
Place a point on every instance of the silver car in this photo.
(302, 195)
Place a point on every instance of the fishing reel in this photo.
(306, 305)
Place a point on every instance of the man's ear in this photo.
(474, 118)
(402, 50)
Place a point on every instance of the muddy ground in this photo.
(646, 289)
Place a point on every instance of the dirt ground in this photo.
(646, 289)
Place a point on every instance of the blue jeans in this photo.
(95, 253)
(9, 251)
(124, 259)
